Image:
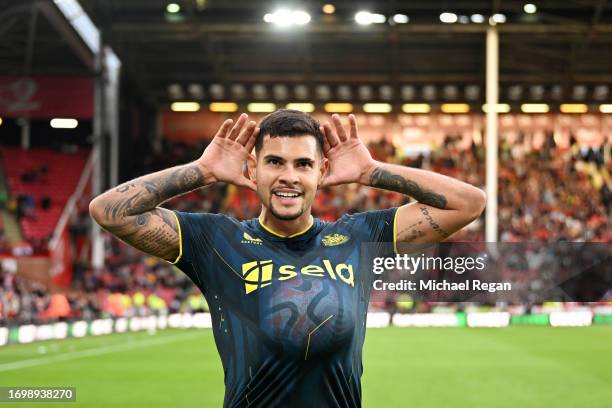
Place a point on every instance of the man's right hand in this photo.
(131, 213)
(224, 158)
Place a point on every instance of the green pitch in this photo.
(454, 367)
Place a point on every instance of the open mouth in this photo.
(287, 197)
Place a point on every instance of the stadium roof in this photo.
(37, 41)
(564, 44)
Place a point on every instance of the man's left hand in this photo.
(349, 159)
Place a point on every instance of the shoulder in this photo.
(366, 217)
(377, 225)
(362, 218)
(204, 220)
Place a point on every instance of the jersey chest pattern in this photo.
(288, 314)
(306, 296)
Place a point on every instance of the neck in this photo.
(285, 228)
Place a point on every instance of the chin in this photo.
(286, 216)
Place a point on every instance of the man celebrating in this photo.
(288, 294)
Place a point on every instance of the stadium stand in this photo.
(552, 193)
(547, 195)
(39, 182)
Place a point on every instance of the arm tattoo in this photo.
(411, 233)
(383, 179)
(125, 187)
(145, 193)
(151, 232)
(130, 211)
(432, 223)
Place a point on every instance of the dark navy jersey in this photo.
(288, 313)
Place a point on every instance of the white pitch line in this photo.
(93, 352)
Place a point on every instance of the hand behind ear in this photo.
(223, 159)
(349, 158)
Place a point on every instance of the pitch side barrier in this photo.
(555, 284)
(25, 334)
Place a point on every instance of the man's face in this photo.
(287, 173)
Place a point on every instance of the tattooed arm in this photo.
(131, 213)
(443, 204)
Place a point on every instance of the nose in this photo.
(289, 175)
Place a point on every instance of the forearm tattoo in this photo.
(147, 192)
(151, 232)
(130, 210)
(384, 179)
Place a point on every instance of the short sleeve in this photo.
(196, 231)
(381, 225)
(376, 232)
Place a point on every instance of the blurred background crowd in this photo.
(551, 194)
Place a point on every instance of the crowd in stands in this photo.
(547, 194)
(34, 188)
(550, 194)
(5, 246)
(25, 206)
(127, 286)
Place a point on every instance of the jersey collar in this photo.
(276, 234)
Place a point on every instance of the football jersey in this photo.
(288, 313)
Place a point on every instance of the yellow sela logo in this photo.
(334, 239)
(259, 274)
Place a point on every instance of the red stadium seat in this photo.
(58, 183)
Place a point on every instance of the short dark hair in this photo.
(287, 123)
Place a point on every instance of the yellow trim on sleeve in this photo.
(286, 236)
(395, 231)
(178, 224)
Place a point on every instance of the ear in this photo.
(323, 170)
(252, 167)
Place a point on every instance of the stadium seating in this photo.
(44, 175)
(564, 199)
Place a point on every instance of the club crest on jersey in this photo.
(248, 239)
(334, 239)
(259, 274)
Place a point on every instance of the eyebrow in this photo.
(299, 159)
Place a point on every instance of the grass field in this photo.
(454, 367)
